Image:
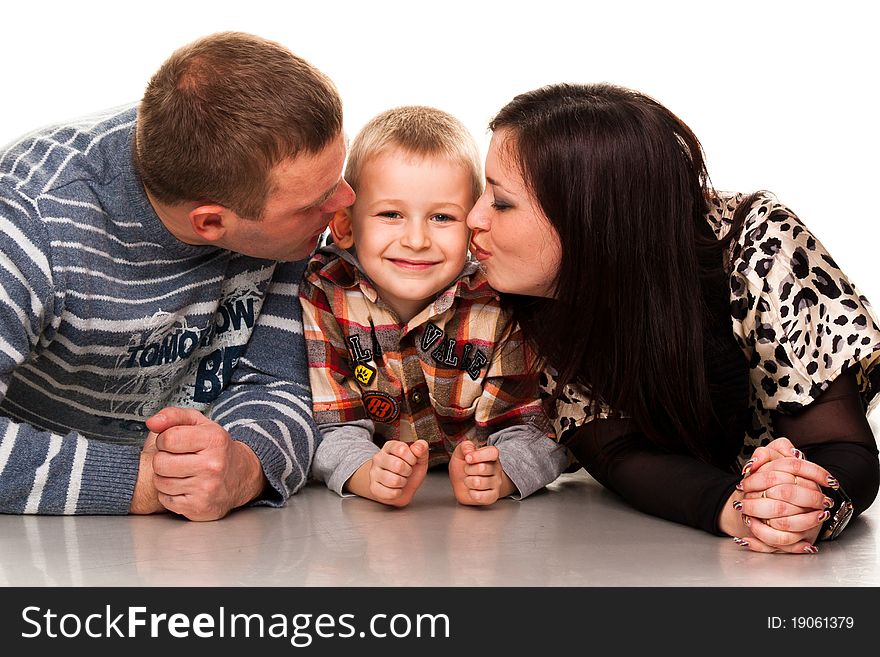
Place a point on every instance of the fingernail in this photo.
(747, 468)
(798, 454)
(833, 483)
(740, 541)
(811, 549)
(739, 486)
(824, 515)
(738, 505)
(828, 503)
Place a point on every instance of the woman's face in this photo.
(512, 238)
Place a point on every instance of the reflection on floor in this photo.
(575, 533)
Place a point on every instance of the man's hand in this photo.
(198, 470)
(145, 499)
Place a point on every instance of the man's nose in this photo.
(343, 197)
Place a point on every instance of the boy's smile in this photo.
(413, 264)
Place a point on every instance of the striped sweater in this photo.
(105, 318)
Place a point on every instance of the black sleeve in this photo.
(677, 487)
(834, 432)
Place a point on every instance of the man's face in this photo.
(305, 192)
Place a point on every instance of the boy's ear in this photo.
(210, 221)
(340, 228)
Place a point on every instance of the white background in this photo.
(782, 94)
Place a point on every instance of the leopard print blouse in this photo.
(797, 317)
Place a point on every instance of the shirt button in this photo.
(416, 397)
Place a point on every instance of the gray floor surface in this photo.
(574, 533)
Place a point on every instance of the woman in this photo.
(706, 358)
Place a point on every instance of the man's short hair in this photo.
(225, 109)
(419, 130)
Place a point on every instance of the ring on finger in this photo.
(764, 493)
(795, 480)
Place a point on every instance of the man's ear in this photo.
(211, 222)
(340, 228)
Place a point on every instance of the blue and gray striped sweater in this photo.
(105, 318)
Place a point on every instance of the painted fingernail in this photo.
(824, 515)
(739, 486)
(833, 483)
(738, 505)
(828, 503)
(798, 454)
(747, 468)
(811, 549)
(740, 541)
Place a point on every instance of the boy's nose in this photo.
(415, 235)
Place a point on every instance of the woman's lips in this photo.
(479, 254)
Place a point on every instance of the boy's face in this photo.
(408, 225)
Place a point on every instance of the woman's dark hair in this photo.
(624, 184)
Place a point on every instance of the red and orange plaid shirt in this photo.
(458, 370)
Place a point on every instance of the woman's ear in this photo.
(340, 228)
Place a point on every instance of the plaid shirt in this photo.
(458, 370)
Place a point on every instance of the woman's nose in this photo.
(476, 219)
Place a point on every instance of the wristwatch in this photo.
(841, 512)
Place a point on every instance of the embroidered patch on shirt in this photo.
(364, 374)
(380, 406)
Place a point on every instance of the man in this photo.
(151, 350)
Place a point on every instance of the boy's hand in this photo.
(394, 474)
(477, 476)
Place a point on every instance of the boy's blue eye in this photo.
(443, 218)
(390, 214)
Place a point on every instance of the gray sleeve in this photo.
(343, 449)
(43, 472)
(529, 457)
(267, 404)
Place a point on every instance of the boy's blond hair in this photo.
(420, 130)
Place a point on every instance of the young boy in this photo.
(407, 343)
